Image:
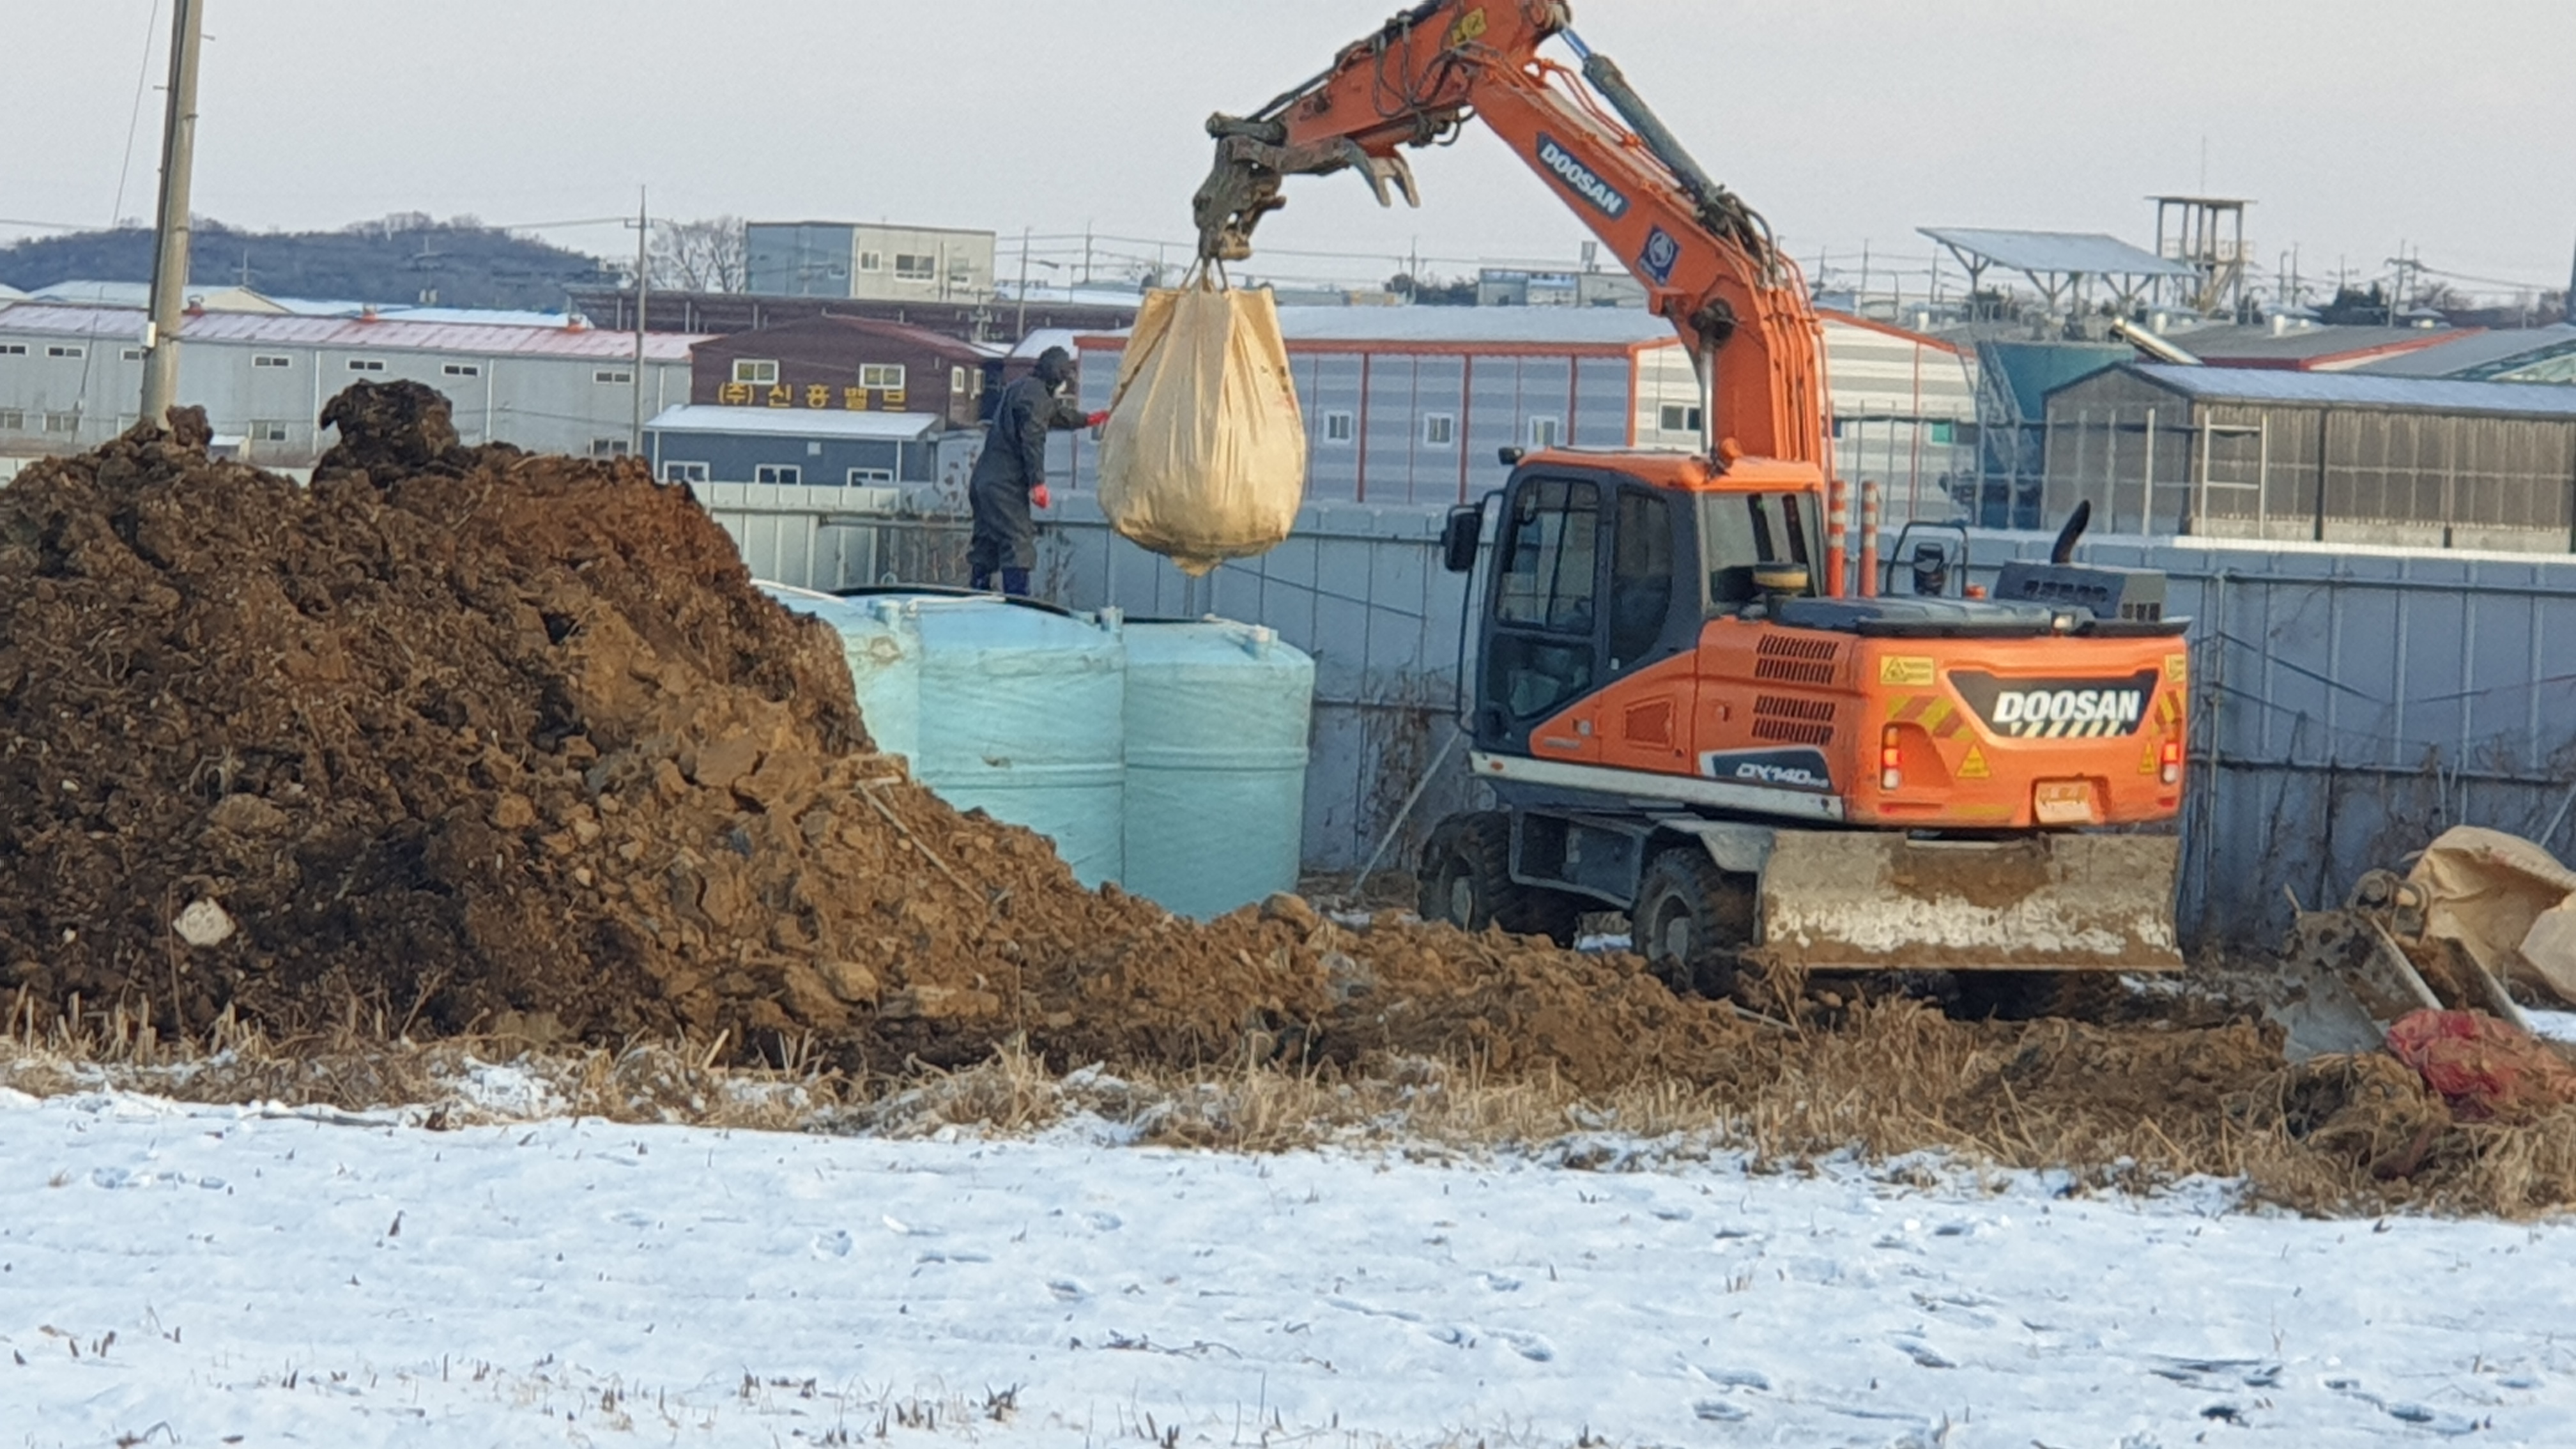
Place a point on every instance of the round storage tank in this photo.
(1217, 721)
(1010, 708)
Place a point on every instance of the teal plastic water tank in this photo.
(1218, 715)
(1014, 709)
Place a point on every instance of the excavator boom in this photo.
(1706, 260)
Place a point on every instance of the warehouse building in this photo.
(71, 377)
(2326, 457)
(699, 443)
(844, 364)
(1410, 405)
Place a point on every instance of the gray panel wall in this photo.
(2348, 704)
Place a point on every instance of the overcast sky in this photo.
(2356, 125)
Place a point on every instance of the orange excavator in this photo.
(1679, 710)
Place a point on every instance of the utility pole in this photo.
(1020, 328)
(643, 288)
(170, 255)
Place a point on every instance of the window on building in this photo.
(13, 349)
(463, 369)
(871, 477)
(269, 431)
(1439, 430)
(66, 351)
(684, 472)
(366, 364)
(756, 372)
(1543, 432)
(778, 473)
(12, 421)
(132, 354)
(957, 381)
(62, 422)
(915, 267)
(1337, 427)
(887, 376)
(608, 447)
(872, 261)
(613, 374)
(271, 359)
(1678, 418)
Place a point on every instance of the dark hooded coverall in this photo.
(1013, 463)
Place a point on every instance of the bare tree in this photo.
(700, 256)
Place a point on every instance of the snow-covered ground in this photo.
(206, 1276)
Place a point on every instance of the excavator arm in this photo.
(1707, 261)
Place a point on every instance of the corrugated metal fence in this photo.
(2349, 703)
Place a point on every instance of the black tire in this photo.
(1692, 921)
(2092, 996)
(1466, 880)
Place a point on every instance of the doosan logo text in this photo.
(2030, 708)
(1581, 178)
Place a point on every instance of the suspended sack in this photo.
(1203, 458)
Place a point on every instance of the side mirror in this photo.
(1460, 536)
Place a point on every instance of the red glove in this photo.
(1039, 496)
(1095, 420)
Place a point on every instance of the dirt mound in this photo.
(463, 738)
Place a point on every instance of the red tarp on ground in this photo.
(2483, 1067)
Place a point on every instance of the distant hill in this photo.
(400, 260)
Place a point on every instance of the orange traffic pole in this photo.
(1869, 538)
(1837, 538)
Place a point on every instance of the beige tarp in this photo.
(2507, 901)
(1204, 455)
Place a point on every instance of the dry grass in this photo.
(2116, 1109)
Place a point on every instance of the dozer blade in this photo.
(1866, 901)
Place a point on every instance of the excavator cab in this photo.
(1676, 722)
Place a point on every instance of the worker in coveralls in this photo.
(1011, 473)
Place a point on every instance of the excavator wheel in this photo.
(1467, 881)
(1691, 921)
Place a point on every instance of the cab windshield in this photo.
(1740, 532)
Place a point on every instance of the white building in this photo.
(867, 261)
(72, 376)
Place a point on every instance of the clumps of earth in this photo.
(462, 740)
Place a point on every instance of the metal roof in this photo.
(138, 295)
(1578, 328)
(2360, 390)
(795, 422)
(2461, 351)
(2305, 344)
(2088, 252)
(357, 334)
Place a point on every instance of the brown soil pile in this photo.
(470, 739)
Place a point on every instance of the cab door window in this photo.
(1548, 573)
(1545, 644)
(1641, 575)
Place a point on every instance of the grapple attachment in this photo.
(1871, 901)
